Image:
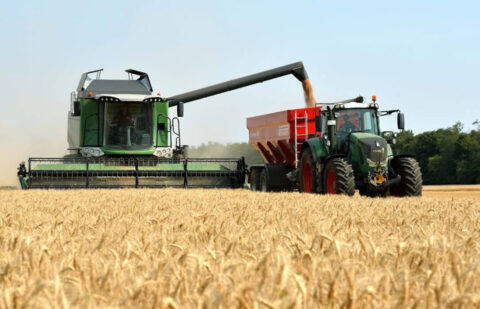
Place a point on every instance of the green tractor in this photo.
(352, 152)
(332, 148)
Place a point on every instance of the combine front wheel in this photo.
(338, 177)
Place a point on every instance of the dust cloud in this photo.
(19, 149)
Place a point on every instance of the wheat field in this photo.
(174, 248)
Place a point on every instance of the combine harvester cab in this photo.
(120, 135)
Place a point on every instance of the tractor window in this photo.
(128, 125)
(357, 120)
(370, 123)
(348, 121)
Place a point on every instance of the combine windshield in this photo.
(128, 125)
(358, 120)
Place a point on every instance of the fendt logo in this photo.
(381, 150)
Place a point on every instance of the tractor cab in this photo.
(355, 118)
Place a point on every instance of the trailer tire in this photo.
(411, 182)
(338, 177)
(263, 181)
(254, 179)
(308, 173)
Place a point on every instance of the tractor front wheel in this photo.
(411, 182)
(338, 177)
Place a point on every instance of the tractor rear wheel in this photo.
(338, 177)
(411, 182)
(308, 173)
(254, 179)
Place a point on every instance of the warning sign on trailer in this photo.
(284, 130)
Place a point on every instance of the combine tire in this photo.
(255, 179)
(411, 183)
(338, 177)
(308, 174)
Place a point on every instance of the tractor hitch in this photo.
(386, 184)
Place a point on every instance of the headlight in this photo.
(91, 152)
(163, 152)
(374, 164)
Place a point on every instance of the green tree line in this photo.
(446, 156)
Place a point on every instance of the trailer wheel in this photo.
(338, 177)
(254, 179)
(308, 175)
(411, 183)
(263, 181)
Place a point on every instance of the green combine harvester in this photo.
(120, 134)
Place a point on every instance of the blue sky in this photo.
(423, 58)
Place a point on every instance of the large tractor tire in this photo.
(308, 173)
(339, 178)
(255, 179)
(411, 183)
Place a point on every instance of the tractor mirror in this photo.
(180, 109)
(401, 121)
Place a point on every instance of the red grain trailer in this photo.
(278, 137)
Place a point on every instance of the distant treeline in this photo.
(446, 156)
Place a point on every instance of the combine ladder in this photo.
(300, 123)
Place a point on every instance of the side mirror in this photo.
(401, 121)
(318, 123)
(180, 109)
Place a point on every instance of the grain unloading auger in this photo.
(120, 135)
